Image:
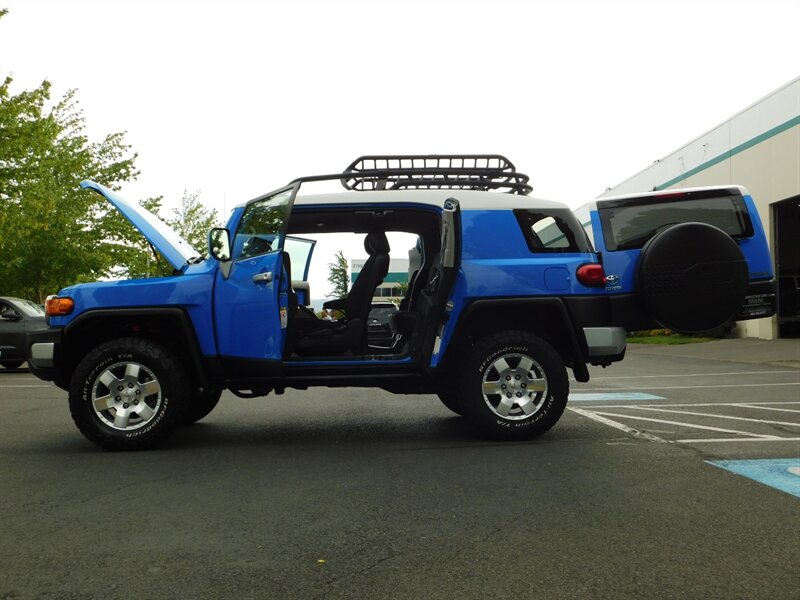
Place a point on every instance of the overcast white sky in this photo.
(237, 98)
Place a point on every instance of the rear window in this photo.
(552, 231)
(628, 224)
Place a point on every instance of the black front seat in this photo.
(314, 337)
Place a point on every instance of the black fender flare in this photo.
(195, 356)
(574, 341)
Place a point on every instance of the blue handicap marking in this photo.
(581, 397)
(782, 473)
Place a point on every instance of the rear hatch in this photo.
(689, 260)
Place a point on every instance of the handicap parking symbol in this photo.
(782, 474)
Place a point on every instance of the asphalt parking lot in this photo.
(671, 475)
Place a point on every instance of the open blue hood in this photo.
(172, 246)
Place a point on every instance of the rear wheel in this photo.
(513, 385)
(11, 364)
(128, 394)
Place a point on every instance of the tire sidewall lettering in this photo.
(151, 424)
(505, 350)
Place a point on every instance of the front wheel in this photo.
(514, 385)
(128, 394)
(11, 364)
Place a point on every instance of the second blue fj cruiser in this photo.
(505, 292)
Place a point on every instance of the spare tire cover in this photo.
(692, 277)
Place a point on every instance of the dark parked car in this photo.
(17, 317)
(378, 327)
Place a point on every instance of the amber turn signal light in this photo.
(58, 307)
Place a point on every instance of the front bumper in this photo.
(44, 353)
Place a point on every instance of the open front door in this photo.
(251, 298)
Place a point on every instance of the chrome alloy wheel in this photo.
(126, 396)
(514, 386)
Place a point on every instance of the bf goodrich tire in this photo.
(514, 385)
(129, 394)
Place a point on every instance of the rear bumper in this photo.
(605, 341)
(627, 310)
(759, 302)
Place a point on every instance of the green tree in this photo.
(48, 232)
(193, 221)
(128, 253)
(52, 233)
(339, 277)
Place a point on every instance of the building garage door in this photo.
(787, 258)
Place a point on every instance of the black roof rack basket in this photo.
(434, 171)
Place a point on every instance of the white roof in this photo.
(467, 199)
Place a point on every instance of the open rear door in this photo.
(442, 277)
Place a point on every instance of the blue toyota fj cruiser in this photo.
(505, 292)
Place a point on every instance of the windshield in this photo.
(29, 309)
(629, 226)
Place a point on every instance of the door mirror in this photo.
(9, 314)
(219, 244)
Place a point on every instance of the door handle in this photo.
(263, 277)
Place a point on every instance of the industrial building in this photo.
(391, 290)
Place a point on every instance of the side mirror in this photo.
(9, 314)
(219, 244)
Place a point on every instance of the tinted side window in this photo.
(629, 224)
(552, 231)
(262, 226)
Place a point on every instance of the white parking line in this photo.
(689, 425)
(622, 427)
(716, 416)
(715, 440)
(689, 387)
(695, 375)
(23, 386)
(752, 405)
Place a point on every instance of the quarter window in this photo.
(552, 231)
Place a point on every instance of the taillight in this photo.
(58, 307)
(591, 275)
